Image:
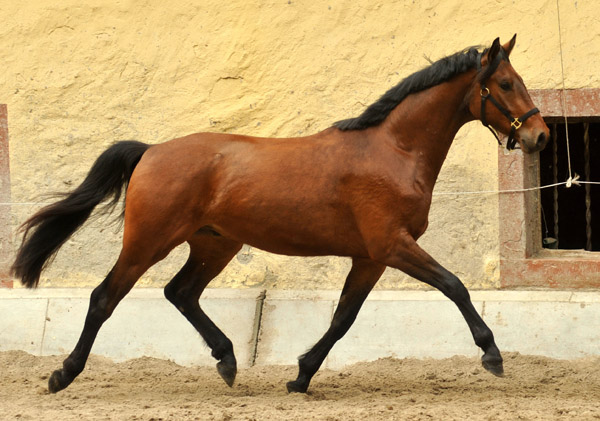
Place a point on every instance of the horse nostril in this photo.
(541, 140)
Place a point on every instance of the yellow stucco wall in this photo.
(79, 75)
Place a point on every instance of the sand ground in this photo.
(534, 388)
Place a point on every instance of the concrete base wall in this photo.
(275, 327)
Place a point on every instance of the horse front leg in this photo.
(363, 275)
(407, 256)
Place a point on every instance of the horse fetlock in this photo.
(223, 351)
(484, 339)
(305, 373)
(307, 365)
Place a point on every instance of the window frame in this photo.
(523, 261)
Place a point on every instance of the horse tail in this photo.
(48, 229)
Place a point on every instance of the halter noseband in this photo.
(515, 123)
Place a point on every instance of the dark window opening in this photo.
(571, 216)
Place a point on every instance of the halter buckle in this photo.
(485, 92)
(516, 123)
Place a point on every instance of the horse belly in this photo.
(300, 233)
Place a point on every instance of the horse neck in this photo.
(425, 123)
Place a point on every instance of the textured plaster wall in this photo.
(79, 75)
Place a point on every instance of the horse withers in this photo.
(361, 189)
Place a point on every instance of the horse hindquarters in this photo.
(153, 227)
(143, 246)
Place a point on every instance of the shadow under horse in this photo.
(361, 188)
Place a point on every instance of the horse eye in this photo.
(505, 86)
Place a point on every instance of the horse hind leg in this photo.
(142, 248)
(209, 254)
(103, 301)
(360, 281)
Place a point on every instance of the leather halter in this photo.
(515, 123)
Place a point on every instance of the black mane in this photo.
(440, 71)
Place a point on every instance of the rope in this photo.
(564, 96)
(575, 181)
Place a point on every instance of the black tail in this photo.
(47, 230)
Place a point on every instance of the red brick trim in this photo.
(5, 211)
(523, 262)
(579, 102)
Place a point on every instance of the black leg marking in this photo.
(414, 261)
(208, 257)
(98, 313)
(361, 279)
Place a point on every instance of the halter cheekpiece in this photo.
(515, 123)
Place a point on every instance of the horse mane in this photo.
(440, 71)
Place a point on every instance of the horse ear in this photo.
(509, 45)
(494, 50)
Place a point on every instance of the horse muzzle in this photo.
(534, 139)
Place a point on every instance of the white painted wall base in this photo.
(277, 326)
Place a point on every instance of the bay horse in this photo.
(361, 189)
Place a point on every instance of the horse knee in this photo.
(456, 291)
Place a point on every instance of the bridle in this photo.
(515, 123)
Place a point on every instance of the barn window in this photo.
(571, 216)
(530, 219)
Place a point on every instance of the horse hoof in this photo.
(296, 387)
(493, 365)
(56, 383)
(227, 371)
